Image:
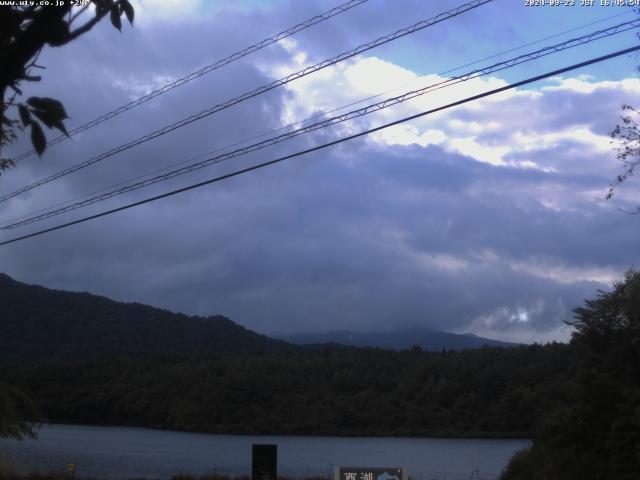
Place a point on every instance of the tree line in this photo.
(579, 402)
(487, 392)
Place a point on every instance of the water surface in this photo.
(119, 453)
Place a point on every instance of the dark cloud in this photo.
(362, 236)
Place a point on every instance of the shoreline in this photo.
(355, 435)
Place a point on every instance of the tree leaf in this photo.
(44, 117)
(6, 163)
(60, 126)
(50, 105)
(128, 10)
(37, 138)
(115, 17)
(50, 121)
(58, 33)
(25, 116)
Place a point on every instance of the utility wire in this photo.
(325, 145)
(203, 71)
(308, 119)
(555, 35)
(597, 35)
(300, 122)
(265, 88)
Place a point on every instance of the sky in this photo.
(487, 218)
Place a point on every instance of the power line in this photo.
(555, 35)
(265, 88)
(203, 71)
(593, 36)
(325, 145)
(77, 202)
(303, 121)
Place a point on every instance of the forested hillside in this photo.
(595, 435)
(489, 392)
(580, 402)
(38, 322)
(398, 339)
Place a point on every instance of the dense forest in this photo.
(580, 402)
(485, 392)
(596, 434)
(399, 338)
(38, 322)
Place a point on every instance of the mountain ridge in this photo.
(398, 339)
(38, 322)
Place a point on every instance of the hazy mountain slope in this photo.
(37, 322)
(398, 340)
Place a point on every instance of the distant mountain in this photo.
(37, 322)
(398, 340)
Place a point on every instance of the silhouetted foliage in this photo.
(37, 322)
(94, 360)
(400, 338)
(580, 401)
(26, 28)
(18, 413)
(486, 392)
(24, 31)
(627, 137)
(597, 436)
(214, 476)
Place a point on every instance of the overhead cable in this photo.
(265, 88)
(202, 71)
(574, 42)
(325, 145)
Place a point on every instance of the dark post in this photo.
(264, 465)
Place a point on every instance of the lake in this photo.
(120, 453)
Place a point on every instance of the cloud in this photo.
(487, 218)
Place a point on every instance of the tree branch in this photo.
(85, 28)
(78, 13)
